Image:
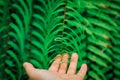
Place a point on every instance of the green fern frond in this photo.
(38, 30)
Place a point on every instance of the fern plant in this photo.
(37, 30)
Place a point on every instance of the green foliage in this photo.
(37, 30)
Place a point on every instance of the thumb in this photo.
(29, 69)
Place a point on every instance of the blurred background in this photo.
(37, 30)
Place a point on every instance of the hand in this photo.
(57, 70)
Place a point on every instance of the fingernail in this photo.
(74, 54)
(25, 63)
(65, 54)
(58, 56)
(84, 65)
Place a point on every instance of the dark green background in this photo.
(37, 30)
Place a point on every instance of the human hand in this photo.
(57, 70)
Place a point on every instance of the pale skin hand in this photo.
(57, 70)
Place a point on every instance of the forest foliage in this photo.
(37, 30)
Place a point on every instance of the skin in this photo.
(57, 70)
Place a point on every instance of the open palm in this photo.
(58, 69)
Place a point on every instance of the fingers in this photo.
(64, 63)
(73, 64)
(55, 65)
(29, 68)
(83, 71)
